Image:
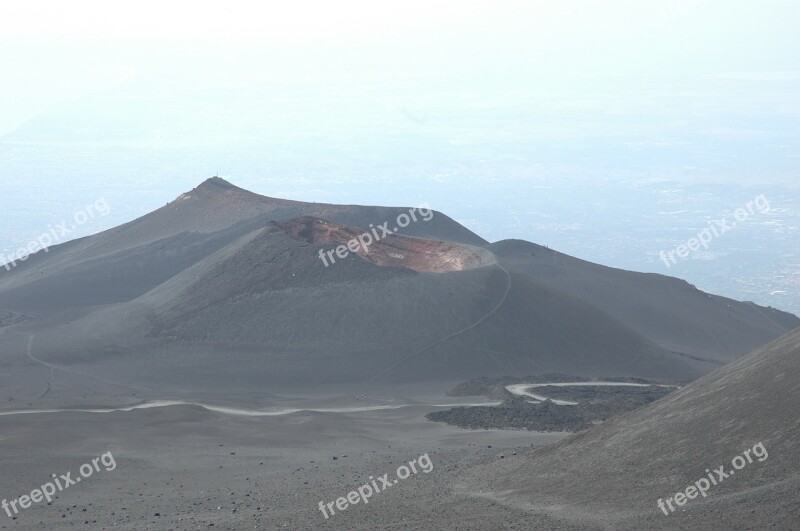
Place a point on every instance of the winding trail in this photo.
(241, 412)
(523, 389)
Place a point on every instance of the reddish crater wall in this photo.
(392, 250)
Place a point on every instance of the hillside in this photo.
(614, 474)
(228, 286)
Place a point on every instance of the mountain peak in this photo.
(217, 183)
(216, 189)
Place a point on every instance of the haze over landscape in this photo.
(543, 258)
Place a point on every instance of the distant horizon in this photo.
(609, 130)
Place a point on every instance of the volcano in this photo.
(226, 287)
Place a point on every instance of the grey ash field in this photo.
(265, 365)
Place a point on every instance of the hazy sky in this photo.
(608, 129)
(52, 51)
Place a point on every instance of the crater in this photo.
(392, 250)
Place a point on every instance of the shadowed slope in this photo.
(615, 473)
(666, 310)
